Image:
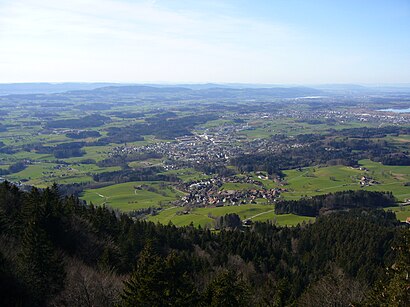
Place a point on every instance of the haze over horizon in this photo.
(270, 42)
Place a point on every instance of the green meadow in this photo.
(206, 216)
(131, 195)
(402, 212)
(44, 174)
(321, 180)
(307, 182)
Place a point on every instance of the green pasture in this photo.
(206, 216)
(321, 180)
(126, 196)
(31, 155)
(402, 212)
(45, 174)
(33, 172)
(216, 123)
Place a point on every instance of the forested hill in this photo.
(59, 252)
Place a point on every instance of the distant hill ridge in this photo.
(196, 90)
(206, 91)
(223, 92)
(47, 88)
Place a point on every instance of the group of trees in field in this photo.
(3, 128)
(14, 168)
(163, 126)
(58, 251)
(166, 126)
(120, 135)
(345, 147)
(83, 134)
(394, 159)
(6, 149)
(320, 204)
(366, 132)
(274, 163)
(88, 121)
(231, 221)
(60, 151)
(128, 115)
(139, 174)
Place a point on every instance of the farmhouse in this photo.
(366, 181)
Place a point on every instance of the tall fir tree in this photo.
(158, 282)
(40, 266)
(227, 289)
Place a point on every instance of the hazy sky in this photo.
(272, 41)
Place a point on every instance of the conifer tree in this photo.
(40, 266)
(158, 282)
(396, 292)
(227, 289)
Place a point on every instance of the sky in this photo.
(200, 41)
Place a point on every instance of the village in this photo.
(215, 145)
(209, 192)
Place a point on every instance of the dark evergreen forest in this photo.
(58, 251)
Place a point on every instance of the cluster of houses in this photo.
(350, 115)
(366, 181)
(214, 146)
(209, 193)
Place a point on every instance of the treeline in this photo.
(365, 132)
(345, 147)
(274, 163)
(6, 149)
(83, 134)
(140, 174)
(400, 159)
(124, 115)
(88, 121)
(119, 135)
(14, 168)
(376, 150)
(60, 151)
(320, 204)
(58, 252)
(164, 127)
(93, 106)
(228, 221)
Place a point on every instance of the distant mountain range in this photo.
(47, 88)
(198, 90)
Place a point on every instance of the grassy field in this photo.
(321, 180)
(308, 182)
(126, 197)
(44, 174)
(205, 216)
(402, 212)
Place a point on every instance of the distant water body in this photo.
(396, 110)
